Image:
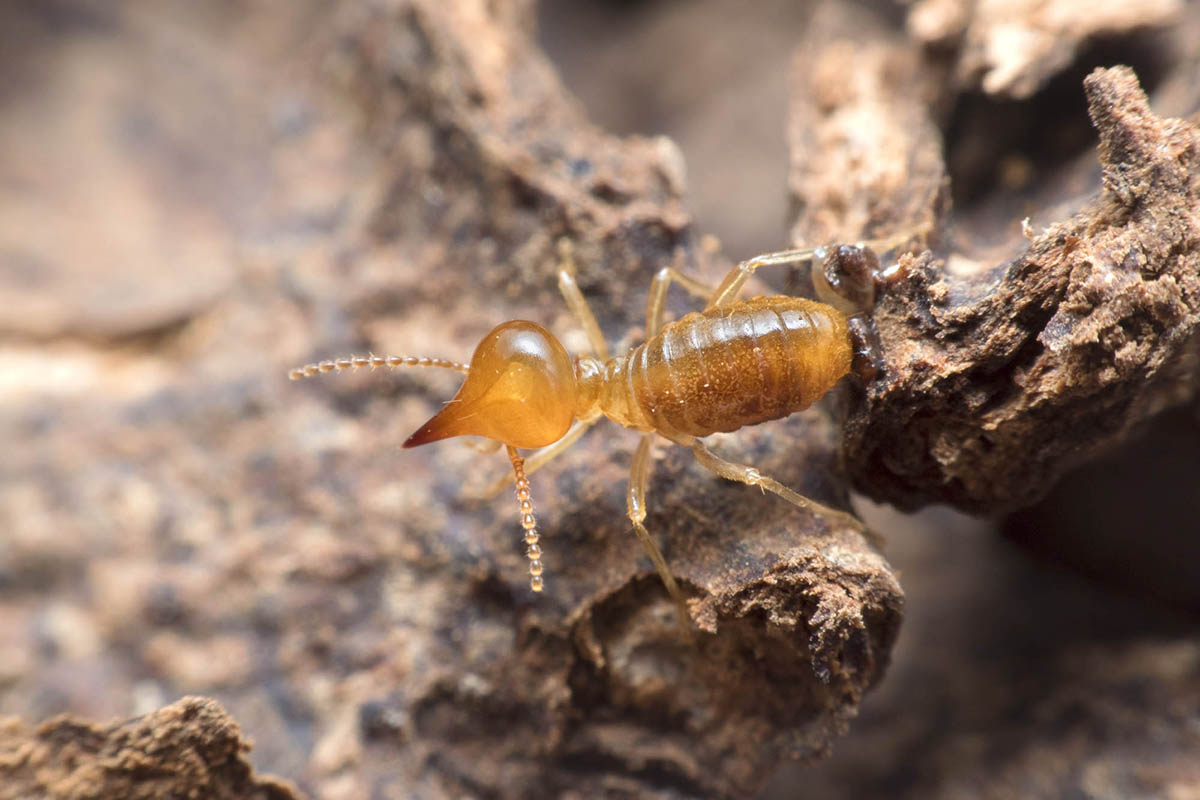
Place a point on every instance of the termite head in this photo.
(845, 278)
(520, 390)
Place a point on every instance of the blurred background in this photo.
(176, 187)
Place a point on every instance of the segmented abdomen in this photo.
(737, 365)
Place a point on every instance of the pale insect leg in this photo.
(737, 277)
(749, 475)
(657, 297)
(577, 302)
(639, 476)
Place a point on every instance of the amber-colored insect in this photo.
(736, 363)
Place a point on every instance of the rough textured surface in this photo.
(999, 380)
(867, 156)
(1095, 323)
(248, 186)
(191, 748)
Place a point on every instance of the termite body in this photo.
(728, 367)
(736, 363)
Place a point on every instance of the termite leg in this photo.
(727, 292)
(657, 297)
(639, 476)
(542, 457)
(737, 277)
(749, 475)
(577, 302)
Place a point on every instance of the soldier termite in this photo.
(736, 363)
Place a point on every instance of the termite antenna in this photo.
(532, 549)
(373, 362)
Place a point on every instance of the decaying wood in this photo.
(998, 379)
(1001, 379)
(199, 524)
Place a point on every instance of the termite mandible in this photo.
(736, 363)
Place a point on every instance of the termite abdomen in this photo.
(739, 364)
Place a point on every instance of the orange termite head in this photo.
(520, 390)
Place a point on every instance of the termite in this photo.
(736, 363)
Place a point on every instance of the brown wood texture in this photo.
(198, 197)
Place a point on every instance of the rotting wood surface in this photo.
(183, 519)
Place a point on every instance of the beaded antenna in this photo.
(372, 362)
(532, 549)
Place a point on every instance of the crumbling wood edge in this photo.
(999, 381)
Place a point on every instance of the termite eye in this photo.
(520, 390)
